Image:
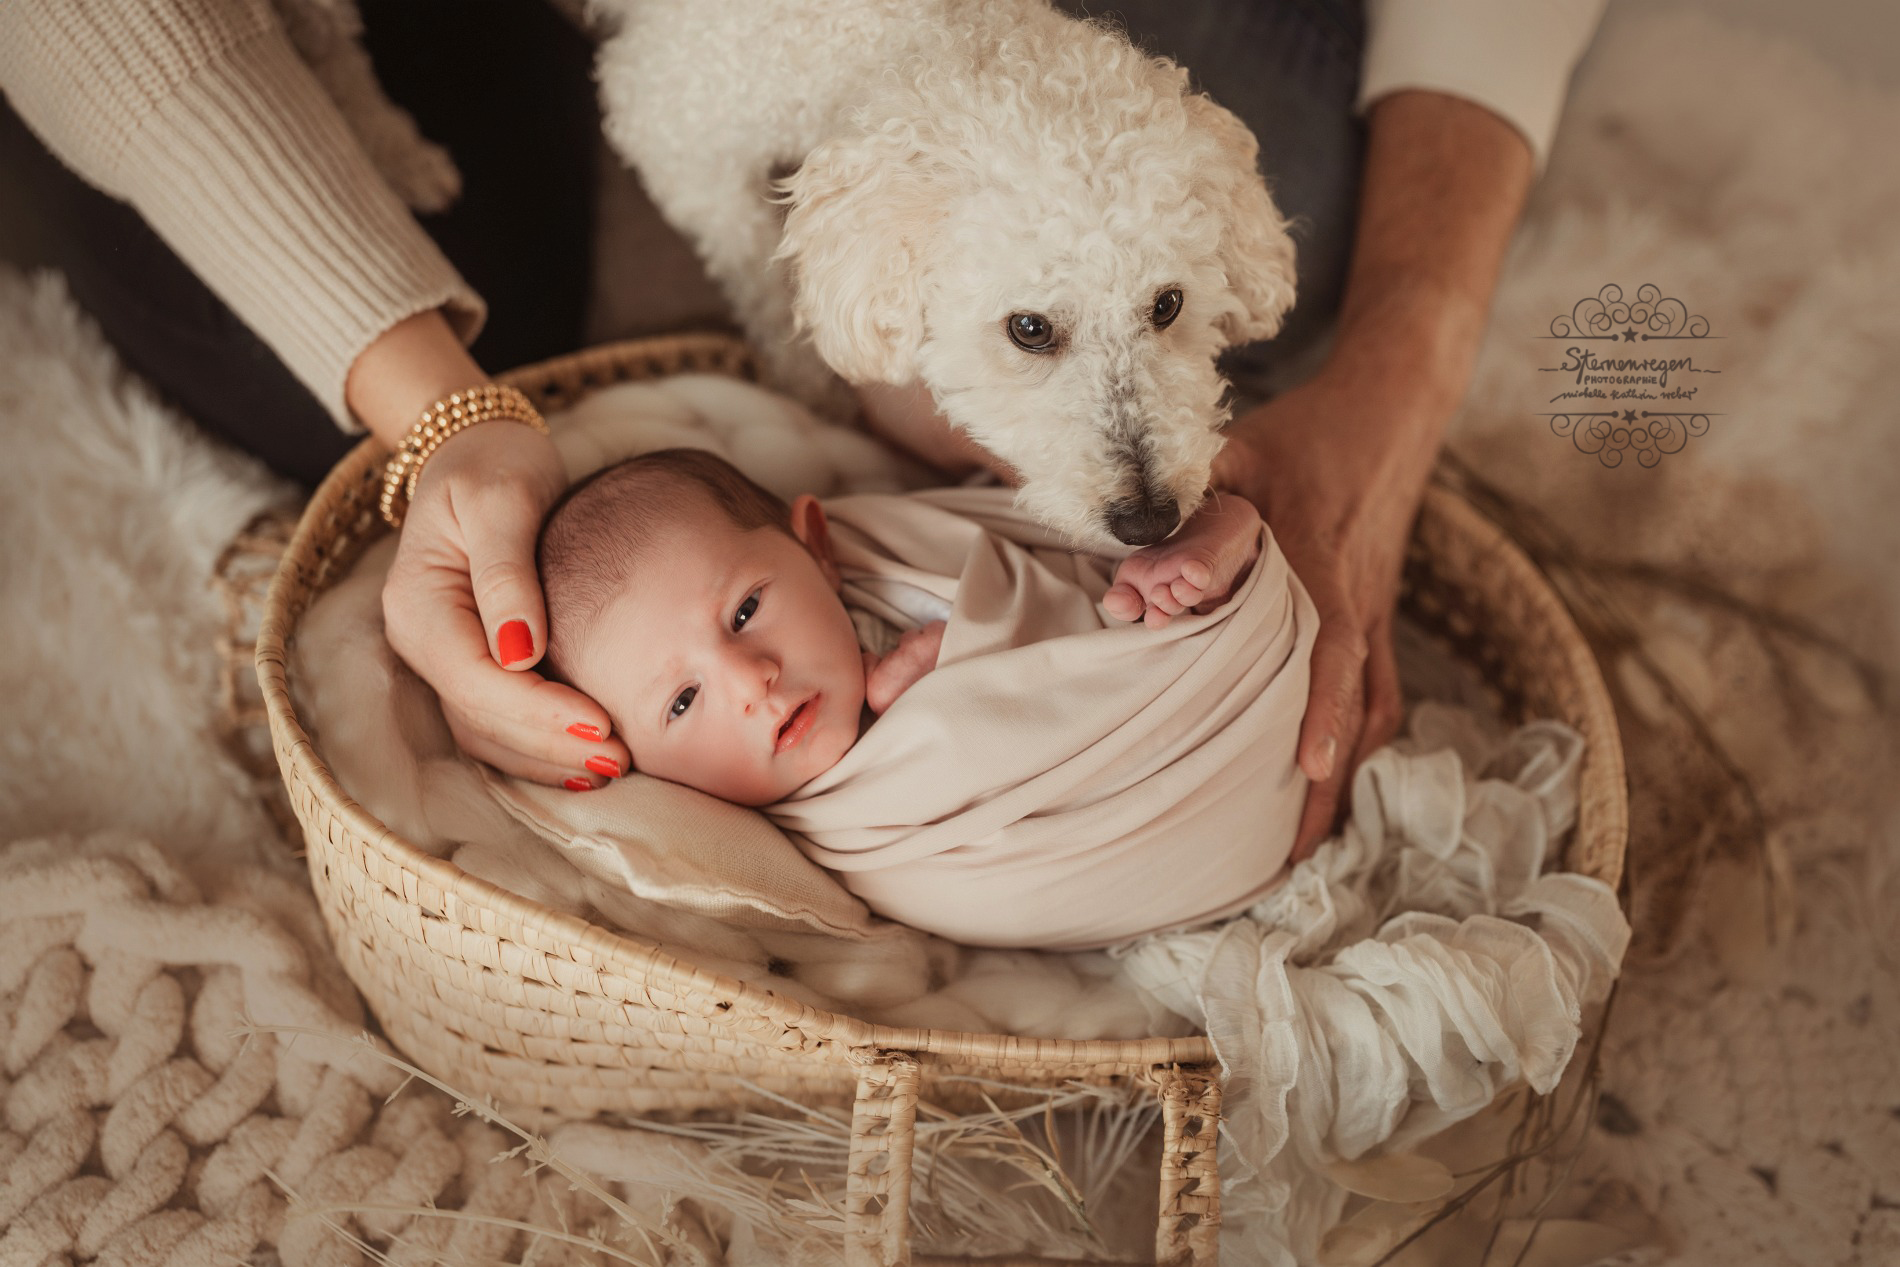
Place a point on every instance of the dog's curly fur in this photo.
(954, 162)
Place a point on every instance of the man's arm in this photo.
(1513, 58)
(1444, 185)
(1339, 464)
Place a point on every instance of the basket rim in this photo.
(627, 953)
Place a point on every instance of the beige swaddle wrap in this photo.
(1062, 779)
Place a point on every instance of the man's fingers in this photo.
(1332, 699)
(1332, 724)
(1335, 721)
(1385, 699)
(1316, 819)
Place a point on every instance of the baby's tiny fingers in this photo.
(1123, 602)
(1186, 592)
(1163, 597)
(1197, 573)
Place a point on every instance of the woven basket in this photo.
(502, 997)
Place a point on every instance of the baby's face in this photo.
(728, 662)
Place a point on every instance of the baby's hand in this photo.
(916, 655)
(1195, 569)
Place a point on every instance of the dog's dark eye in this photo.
(1031, 331)
(1167, 308)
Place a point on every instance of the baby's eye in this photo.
(683, 702)
(746, 611)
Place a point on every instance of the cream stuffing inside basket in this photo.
(1417, 965)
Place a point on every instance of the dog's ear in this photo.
(1256, 250)
(861, 214)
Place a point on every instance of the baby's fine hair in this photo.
(602, 528)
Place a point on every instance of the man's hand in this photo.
(462, 606)
(1194, 570)
(1339, 464)
(916, 655)
(1340, 470)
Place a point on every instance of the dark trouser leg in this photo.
(505, 85)
(167, 327)
(1290, 70)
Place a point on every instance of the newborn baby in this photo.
(654, 567)
(710, 620)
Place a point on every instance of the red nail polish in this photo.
(605, 767)
(577, 785)
(514, 643)
(581, 730)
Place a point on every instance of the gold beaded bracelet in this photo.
(455, 412)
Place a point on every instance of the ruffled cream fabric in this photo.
(1411, 970)
(1061, 780)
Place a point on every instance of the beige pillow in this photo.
(681, 847)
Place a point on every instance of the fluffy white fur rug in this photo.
(1752, 1086)
(113, 514)
(1751, 1083)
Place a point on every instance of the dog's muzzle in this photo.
(1138, 521)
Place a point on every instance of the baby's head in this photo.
(703, 614)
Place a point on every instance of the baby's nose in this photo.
(758, 674)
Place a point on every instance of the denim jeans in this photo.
(1290, 70)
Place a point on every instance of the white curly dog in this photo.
(1022, 211)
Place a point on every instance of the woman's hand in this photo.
(462, 606)
(1338, 465)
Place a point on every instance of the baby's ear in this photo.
(813, 531)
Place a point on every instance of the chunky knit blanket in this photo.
(182, 1082)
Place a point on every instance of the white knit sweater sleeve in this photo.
(200, 115)
(1514, 57)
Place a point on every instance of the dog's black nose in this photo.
(1139, 522)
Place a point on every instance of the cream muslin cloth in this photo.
(1062, 780)
(1410, 971)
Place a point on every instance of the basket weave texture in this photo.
(502, 997)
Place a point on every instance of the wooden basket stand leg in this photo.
(1189, 1233)
(883, 1133)
(877, 1186)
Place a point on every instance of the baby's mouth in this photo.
(797, 724)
